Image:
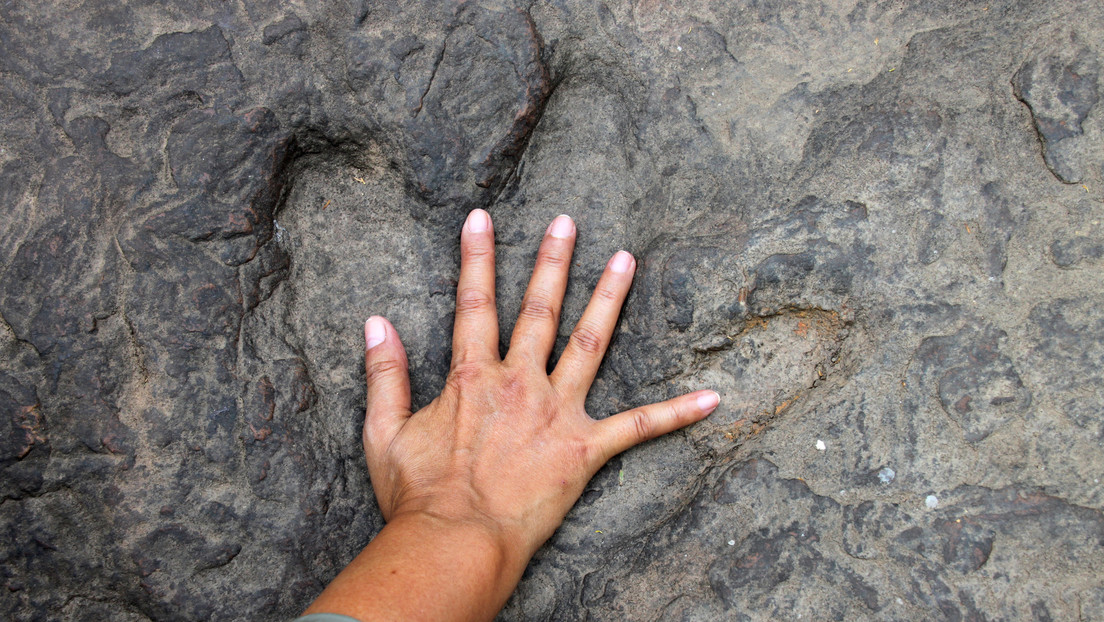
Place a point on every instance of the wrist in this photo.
(427, 566)
(503, 551)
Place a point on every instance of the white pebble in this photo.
(931, 501)
(731, 543)
(886, 475)
(820, 445)
(679, 48)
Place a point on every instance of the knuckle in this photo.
(607, 294)
(643, 428)
(538, 308)
(552, 258)
(680, 414)
(580, 451)
(587, 340)
(471, 300)
(477, 251)
(464, 373)
(516, 387)
(382, 369)
(374, 432)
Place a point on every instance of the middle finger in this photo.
(539, 319)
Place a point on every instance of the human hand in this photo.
(506, 448)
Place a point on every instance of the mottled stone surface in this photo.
(872, 225)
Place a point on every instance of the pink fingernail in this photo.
(375, 332)
(478, 221)
(621, 262)
(561, 227)
(708, 401)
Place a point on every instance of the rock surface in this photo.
(874, 227)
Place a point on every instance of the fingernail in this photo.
(708, 401)
(375, 332)
(621, 262)
(478, 221)
(561, 227)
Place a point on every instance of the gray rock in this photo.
(1061, 90)
(874, 227)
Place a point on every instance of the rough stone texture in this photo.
(874, 225)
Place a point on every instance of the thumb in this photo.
(624, 430)
(386, 368)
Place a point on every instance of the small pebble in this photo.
(731, 543)
(886, 475)
(820, 445)
(931, 501)
(679, 48)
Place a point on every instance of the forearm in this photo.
(424, 568)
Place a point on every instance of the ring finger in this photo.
(579, 363)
